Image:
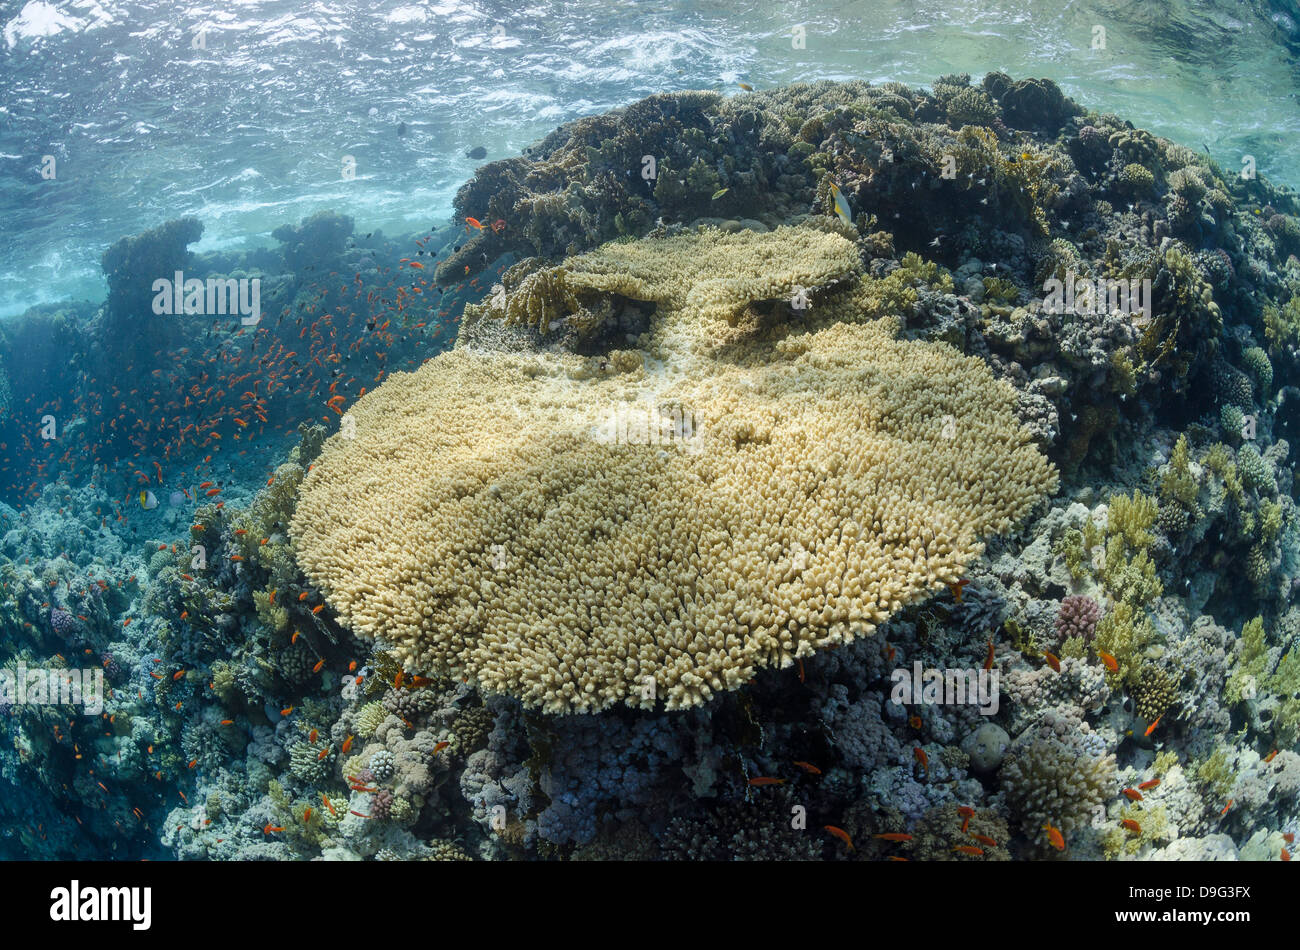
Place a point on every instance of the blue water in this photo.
(251, 130)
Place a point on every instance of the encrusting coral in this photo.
(659, 530)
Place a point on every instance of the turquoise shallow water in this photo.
(251, 131)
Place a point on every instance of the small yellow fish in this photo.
(842, 209)
(745, 86)
(719, 193)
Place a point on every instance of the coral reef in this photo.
(773, 504)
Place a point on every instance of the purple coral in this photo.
(1090, 136)
(1077, 617)
(381, 806)
(62, 623)
(114, 672)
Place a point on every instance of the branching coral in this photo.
(575, 565)
(1122, 633)
(1052, 782)
(1252, 660)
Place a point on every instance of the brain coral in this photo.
(549, 526)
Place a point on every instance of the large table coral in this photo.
(713, 274)
(580, 532)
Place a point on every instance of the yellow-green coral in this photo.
(1126, 570)
(1152, 819)
(1074, 648)
(1123, 377)
(1130, 579)
(1282, 326)
(1165, 760)
(1177, 483)
(1285, 685)
(1131, 518)
(1072, 548)
(223, 682)
(1215, 773)
(1122, 633)
(1251, 662)
(1219, 460)
(1270, 521)
(274, 615)
(1022, 636)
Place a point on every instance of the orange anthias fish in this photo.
(347, 745)
(808, 767)
(271, 829)
(1149, 783)
(474, 223)
(1055, 837)
(763, 780)
(1152, 728)
(984, 840)
(969, 849)
(1109, 661)
(1132, 825)
(988, 661)
(1269, 757)
(1052, 660)
(894, 836)
(841, 834)
(919, 754)
(1133, 794)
